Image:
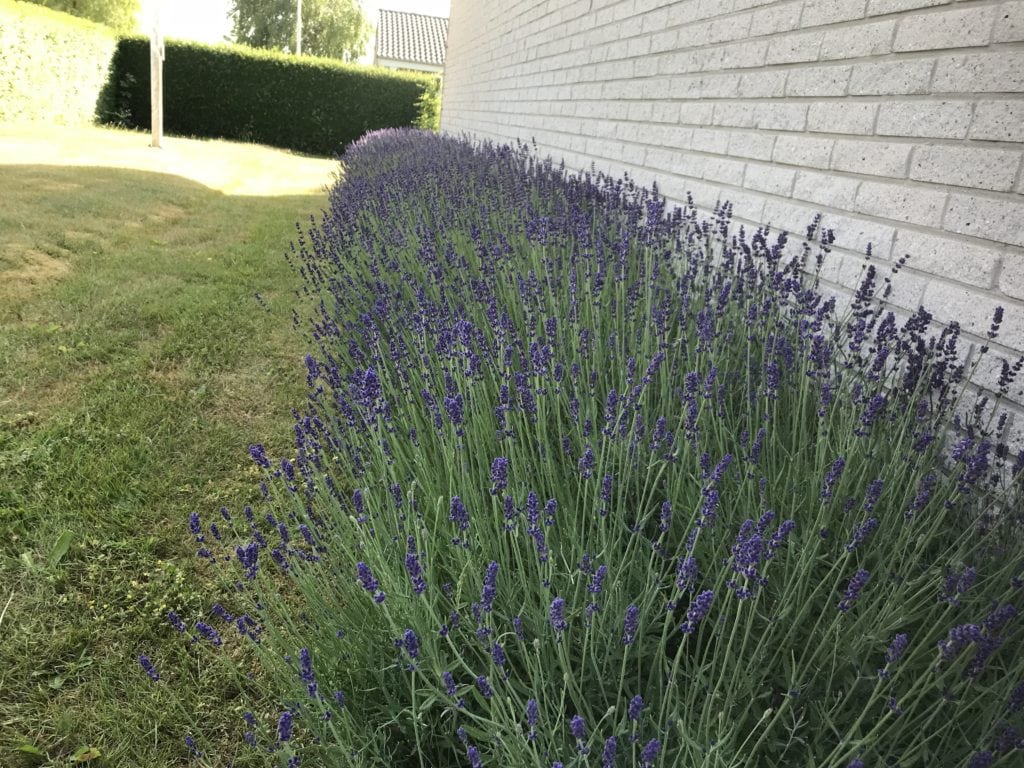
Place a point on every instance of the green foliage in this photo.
(309, 105)
(429, 105)
(630, 492)
(331, 28)
(52, 66)
(119, 15)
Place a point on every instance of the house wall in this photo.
(902, 121)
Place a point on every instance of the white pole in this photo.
(156, 78)
(298, 28)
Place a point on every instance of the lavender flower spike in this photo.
(149, 668)
(367, 582)
(631, 624)
(697, 611)
(557, 615)
(860, 578)
(650, 753)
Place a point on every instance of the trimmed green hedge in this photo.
(52, 65)
(305, 104)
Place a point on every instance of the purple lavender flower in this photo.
(606, 488)
(636, 707)
(981, 759)
(490, 589)
(517, 626)
(175, 621)
(1016, 700)
(853, 589)
(532, 715)
(193, 749)
(957, 584)
(779, 538)
(579, 732)
(209, 633)
(367, 582)
(498, 655)
(499, 475)
(828, 487)
(665, 518)
(284, 726)
(306, 673)
(556, 613)
(549, 512)
(608, 754)
(650, 753)
(474, 757)
(259, 456)
(894, 653)
(697, 611)
(872, 495)
(957, 639)
(861, 533)
(587, 463)
(484, 686)
(631, 624)
(411, 643)
(457, 513)
(855, 763)
(686, 574)
(149, 668)
(449, 683)
(247, 557)
(414, 568)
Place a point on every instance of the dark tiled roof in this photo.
(411, 37)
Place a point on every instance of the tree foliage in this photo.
(116, 14)
(333, 28)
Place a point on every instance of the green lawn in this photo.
(136, 365)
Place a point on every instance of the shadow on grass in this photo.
(136, 365)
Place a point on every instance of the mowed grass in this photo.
(136, 365)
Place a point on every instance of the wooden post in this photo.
(156, 79)
(298, 28)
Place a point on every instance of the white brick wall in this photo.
(902, 121)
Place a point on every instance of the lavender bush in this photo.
(585, 481)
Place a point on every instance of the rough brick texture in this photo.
(902, 121)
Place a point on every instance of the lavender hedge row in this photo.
(585, 481)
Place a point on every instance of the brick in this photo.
(763, 84)
(1002, 71)
(754, 145)
(804, 151)
(915, 205)
(872, 39)
(828, 189)
(874, 158)
(710, 140)
(1009, 23)
(721, 170)
(926, 119)
(960, 28)
(818, 81)
(999, 220)
(907, 76)
(972, 308)
(878, 7)
(665, 112)
(789, 49)
(782, 117)
(998, 121)
(749, 53)
(820, 12)
(994, 169)
(946, 257)
(1011, 278)
(778, 18)
(734, 114)
(767, 178)
(856, 117)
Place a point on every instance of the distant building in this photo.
(410, 41)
